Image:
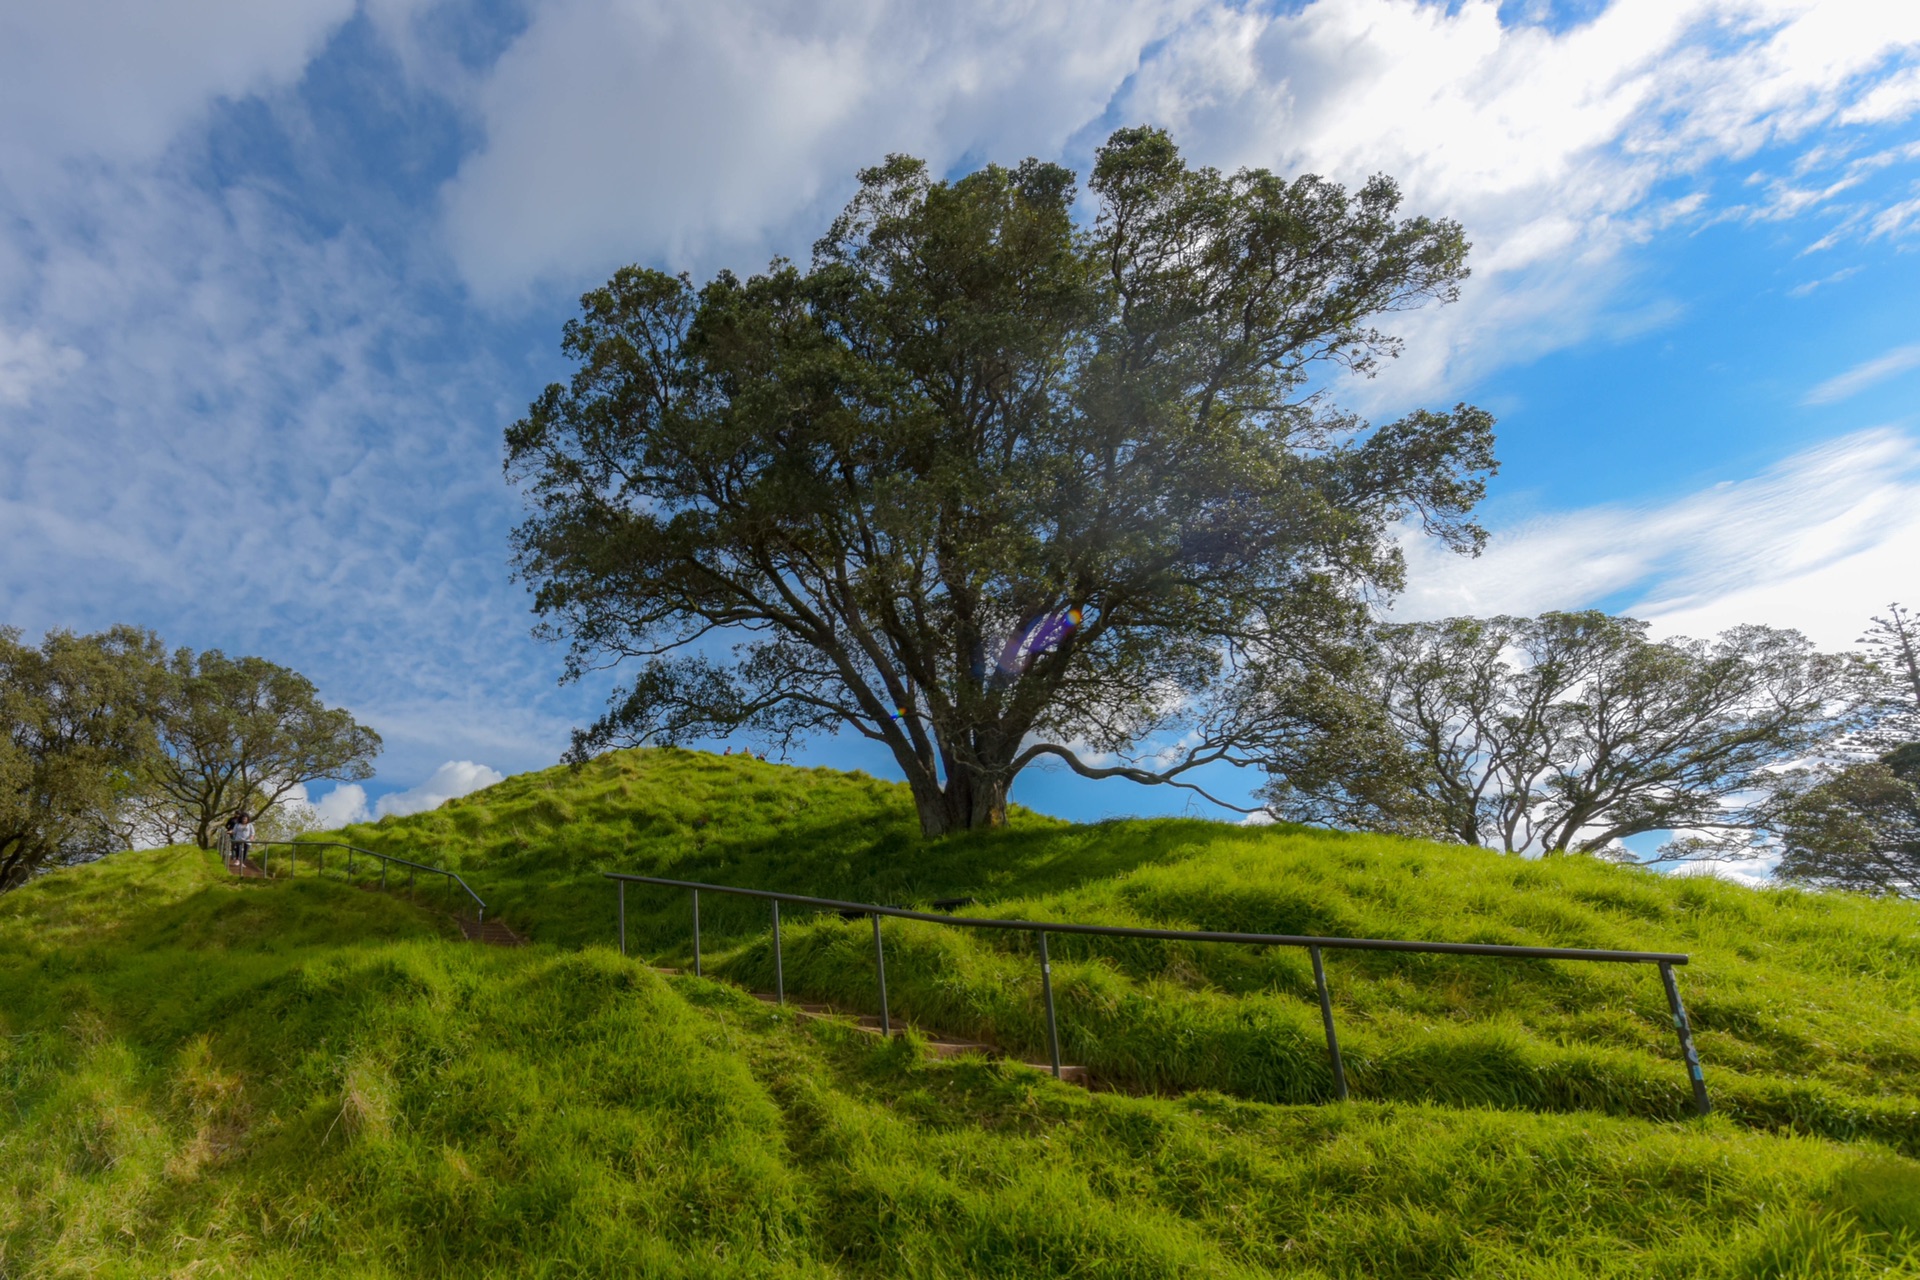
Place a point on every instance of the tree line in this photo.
(1572, 732)
(1017, 471)
(109, 741)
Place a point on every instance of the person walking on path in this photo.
(240, 835)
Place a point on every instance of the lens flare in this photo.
(1042, 634)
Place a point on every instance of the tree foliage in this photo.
(1857, 828)
(110, 741)
(1892, 645)
(986, 487)
(242, 733)
(1562, 733)
(77, 714)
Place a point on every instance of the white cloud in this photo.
(1803, 290)
(1892, 99)
(347, 802)
(1816, 543)
(1865, 374)
(452, 779)
(686, 133)
(28, 362)
(622, 130)
(1555, 149)
(120, 79)
(344, 804)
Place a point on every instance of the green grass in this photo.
(201, 1076)
(1806, 1006)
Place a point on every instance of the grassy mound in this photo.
(1807, 1006)
(211, 1077)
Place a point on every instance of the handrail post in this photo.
(623, 915)
(1046, 989)
(880, 969)
(779, 967)
(383, 873)
(1685, 1030)
(1326, 1019)
(696, 934)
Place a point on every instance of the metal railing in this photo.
(450, 879)
(1041, 928)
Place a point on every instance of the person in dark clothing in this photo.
(240, 835)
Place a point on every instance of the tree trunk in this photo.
(972, 800)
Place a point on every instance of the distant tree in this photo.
(289, 822)
(1857, 827)
(1893, 645)
(76, 728)
(988, 488)
(243, 733)
(1562, 733)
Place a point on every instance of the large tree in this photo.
(986, 486)
(1563, 733)
(242, 733)
(76, 727)
(1856, 827)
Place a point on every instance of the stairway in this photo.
(493, 933)
(939, 1046)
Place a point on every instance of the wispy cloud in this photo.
(1559, 150)
(1816, 542)
(1863, 375)
(1808, 287)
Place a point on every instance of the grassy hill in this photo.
(203, 1076)
(1806, 1006)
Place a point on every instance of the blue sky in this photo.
(273, 279)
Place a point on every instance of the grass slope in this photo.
(201, 1076)
(1807, 1006)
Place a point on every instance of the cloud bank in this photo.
(690, 134)
(348, 801)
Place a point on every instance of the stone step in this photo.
(939, 1047)
(492, 933)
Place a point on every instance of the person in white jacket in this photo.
(241, 835)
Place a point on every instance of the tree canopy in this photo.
(1858, 827)
(109, 741)
(1566, 732)
(76, 728)
(987, 486)
(242, 733)
(1892, 644)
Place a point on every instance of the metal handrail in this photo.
(1041, 928)
(293, 866)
